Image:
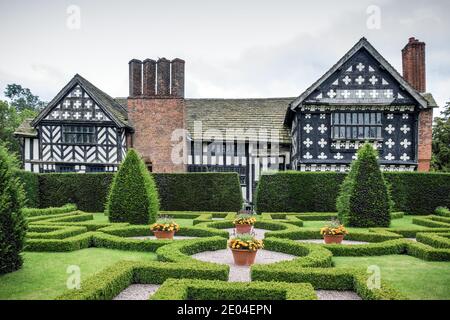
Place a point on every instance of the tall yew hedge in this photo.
(364, 199)
(12, 221)
(293, 191)
(133, 196)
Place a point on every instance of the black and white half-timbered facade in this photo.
(81, 130)
(361, 98)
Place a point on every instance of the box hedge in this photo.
(213, 191)
(293, 191)
(194, 289)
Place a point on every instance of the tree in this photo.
(440, 160)
(133, 196)
(10, 119)
(12, 222)
(364, 199)
(22, 98)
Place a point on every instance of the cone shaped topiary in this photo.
(13, 225)
(133, 195)
(364, 198)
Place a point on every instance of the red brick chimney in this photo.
(413, 60)
(156, 109)
(413, 55)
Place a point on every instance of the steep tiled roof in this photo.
(25, 129)
(245, 114)
(251, 115)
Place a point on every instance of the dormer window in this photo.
(356, 126)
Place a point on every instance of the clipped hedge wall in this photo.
(87, 191)
(199, 191)
(30, 182)
(293, 191)
(177, 191)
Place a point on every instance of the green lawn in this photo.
(43, 275)
(416, 278)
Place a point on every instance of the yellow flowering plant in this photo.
(335, 228)
(245, 241)
(245, 219)
(165, 224)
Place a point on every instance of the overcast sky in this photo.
(243, 48)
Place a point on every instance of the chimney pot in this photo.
(178, 78)
(163, 77)
(135, 77)
(149, 73)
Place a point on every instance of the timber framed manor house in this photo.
(361, 98)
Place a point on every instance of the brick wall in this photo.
(154, 120)
(413, 63)
(425, 137)
(156, 109)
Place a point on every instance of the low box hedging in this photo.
(378, 235)
(431, 222)
(426, 252)
(397, 215)
(308, 255)
(104, 285)
(293, 191)
(182, 251)
(373, 249)
(193, 289)
(144, 230)
(436, 240)
(108, 283)
(329, 279)
(53, 232)
(81, 241)
(33, 212)
(442, 211)
(407, 232)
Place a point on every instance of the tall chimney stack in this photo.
(413, 60)
(177, 78)
(135, 75)
(149, 87)
(163, 77)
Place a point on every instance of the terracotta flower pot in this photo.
(164, 234)
(244, 257)
(333, 238)
(243, 228)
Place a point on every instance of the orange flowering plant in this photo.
(245, 241)
(335, 228)
(165, 224)
(244, 219)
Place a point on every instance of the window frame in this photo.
(75, 132)
(357, 125)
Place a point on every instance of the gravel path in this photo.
(411, 239)
(320, 241)
(217, 218)
(137, 292)
(154, 238)
(337, 295)
(241, 273)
